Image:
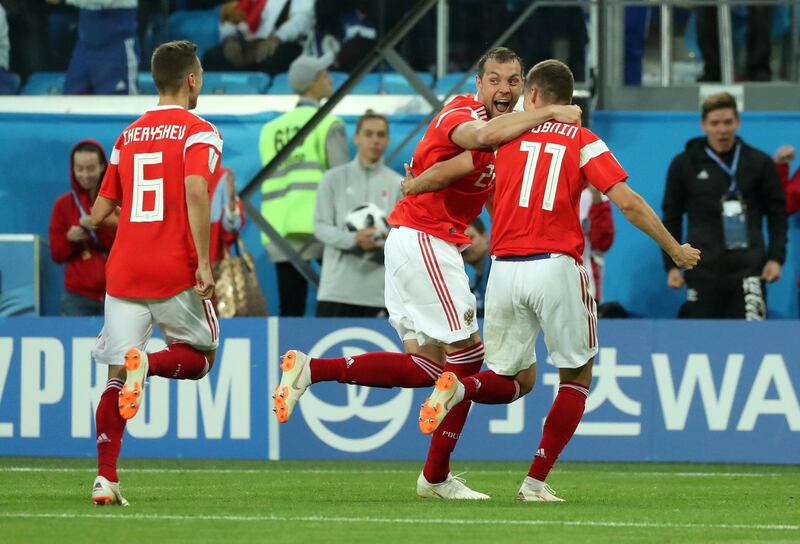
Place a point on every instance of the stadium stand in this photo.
(394, 83)
(446, 82)
(44, 83)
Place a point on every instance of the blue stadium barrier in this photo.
(9, 82)
(446, 82)
(44, 83)
(144, 80)
(394, 83)
(713, 391)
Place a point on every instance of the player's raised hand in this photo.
(567, 114)
(686, 256)
(204, 282)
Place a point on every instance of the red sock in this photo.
(560, 425)
(177, 361)
(109, 426)
(379, 369)
(489, 388)
(462, 363)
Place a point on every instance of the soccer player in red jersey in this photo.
(427, 289)
(537, 281)
(158, 270)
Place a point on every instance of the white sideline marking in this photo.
(381, 471)
(405, 521)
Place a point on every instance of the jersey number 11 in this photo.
(533, 150)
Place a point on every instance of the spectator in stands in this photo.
(106, 58)
(261, 35)
(791, 186)
(759, 42)
(726, 188)
(288, 197)
(73, 241)
(7, 80)
(477, 256)
(351, 282)
(347, 29)
(27, 26)
(598, 231)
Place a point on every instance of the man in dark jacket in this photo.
(726, 188)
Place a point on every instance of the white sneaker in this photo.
(132, 393)
(452, 488)
(295, 380)
(536, 491)
(105, 493)
(447, 393)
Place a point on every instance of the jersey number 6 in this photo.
(533, 149)
(142, 186)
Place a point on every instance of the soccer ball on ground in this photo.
(365, 216)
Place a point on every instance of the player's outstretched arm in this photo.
(199, 212)
(438, 176)
(503, 128)
(641, 215)
(104, 213)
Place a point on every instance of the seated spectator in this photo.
(261, 36)
(352, 278)
(598, 231)
(7, 85)
(477, 256)
(759, 43)
(106, 58)
(73, 241)
(346, 30)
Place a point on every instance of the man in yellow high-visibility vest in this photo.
(288, 196)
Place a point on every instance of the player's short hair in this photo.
(171, 62)
(501, 55)
(554, 80)
(478, 225)
(371, 114)
(719, 101)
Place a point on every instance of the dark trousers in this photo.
(726, 298)
(292, 290)
(326, 308)
(214, 60)
(759, 42)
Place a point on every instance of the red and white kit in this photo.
(537, 280)
(151, 268)
(427, 289)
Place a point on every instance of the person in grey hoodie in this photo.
(351, 282)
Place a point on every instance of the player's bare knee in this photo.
(210, 356)
(581, 375)
(526, 380)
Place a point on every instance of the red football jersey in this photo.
(153, 255)
(447, 212)
(540, 176)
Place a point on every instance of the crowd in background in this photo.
(78, 36)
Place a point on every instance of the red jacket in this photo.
(792, 189)
(85, 262)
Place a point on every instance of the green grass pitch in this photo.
(48, 500)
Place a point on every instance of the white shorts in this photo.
(524, 297)
(427, 290)
(183, 318)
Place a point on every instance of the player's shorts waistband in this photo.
(523, 258)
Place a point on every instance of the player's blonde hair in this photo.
(171, 62)
(554, 80)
